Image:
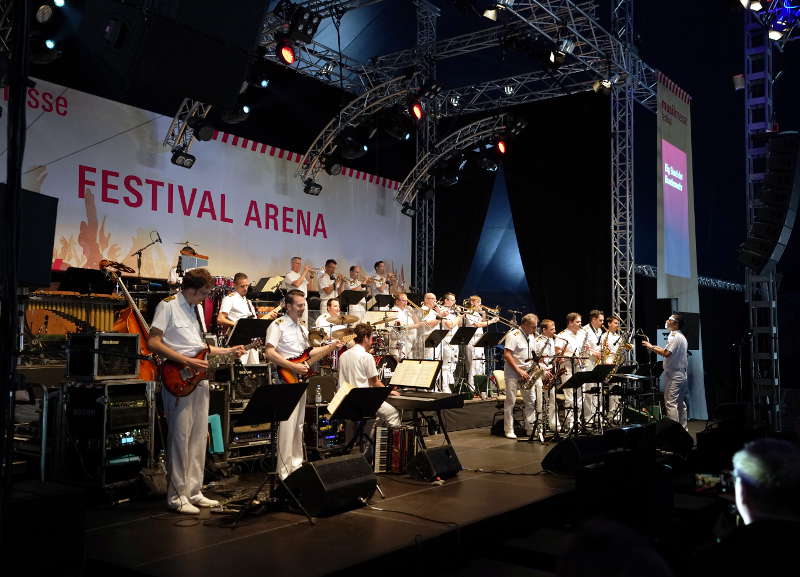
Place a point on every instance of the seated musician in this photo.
(323, 320)
(287, 338)
(357, 367)
(177, 333)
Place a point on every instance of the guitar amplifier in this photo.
(102, 356)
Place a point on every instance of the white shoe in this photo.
(184, 506)
(510, 436)
(203, 501)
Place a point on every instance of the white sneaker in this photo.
(184, 506)
(203, 501)
(510, 436)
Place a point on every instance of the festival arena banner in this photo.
(677, 256)
(241, 202)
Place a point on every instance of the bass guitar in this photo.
(181, 380)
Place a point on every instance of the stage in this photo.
(143, 538)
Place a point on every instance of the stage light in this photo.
(487, 161)
(556, 58)
(408, 209)
(602, 86)
(416, 109)
(312, 188)
(351, 144)
(753, 5)
(397, 124)
(455, 100)
(508, 90)
(235, 114)
(566, 46)
(449, 173)
(50, 44)
(491, 14)
(182, 158)
(332, 165)
(44, 13)
(285, 51)
(202, 129)
(59, 3)
(501, 146)
(775, 34)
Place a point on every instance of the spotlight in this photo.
(202, 129)
(501, 146)
(44, 13)
(555, 59)
(508, 90)
(182, 158)
(487, 162)
(397, 124)
(416, 110)
(312, 188)
(775, 34)
(332, 165)
(50, 44)
(450, 172)
(491, 14)
(351, 144)
(518, 126)
(455, 100)
(59, 3)
(753, 5)
(235, 114)
(408, 209)
(284, 50)
(566, 46)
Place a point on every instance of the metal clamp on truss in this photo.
(461, 139)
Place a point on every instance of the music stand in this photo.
(462, 337)
(383, 301)
(597, 375)
(358, 405)
(489, 341)
(434, 339)
(349, 298)
(86, 281)
(245, 330)
(271, 404)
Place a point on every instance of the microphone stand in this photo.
(138, 254)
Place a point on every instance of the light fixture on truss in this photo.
(182, 158)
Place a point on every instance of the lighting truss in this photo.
(373, 100)
(783, 15)
(179, 134)
(6, 25)
(461, 139)
(650, 271)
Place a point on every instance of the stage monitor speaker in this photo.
(779, 200)
(37, 234)
(333, 485)
(570, 455)
(672, 437)
(437, 463)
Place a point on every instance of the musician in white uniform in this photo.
(356, 282)
(381, 283)
(475, 357)
(449, 352)
(432, 317)
(676, 366)
(594, 334)
(609, 346)
(570, 343)
(176, 333)
(235, 306)
(287, 338)
(357, 367)
(330, 284)
(404, 328)
(545, 348)
(324, 320)
(297, 279)
(518, 357)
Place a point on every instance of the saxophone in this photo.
(619, 356)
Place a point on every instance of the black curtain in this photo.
(559, 185)
(460, 212)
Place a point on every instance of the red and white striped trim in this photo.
(260, 148)
(667, 83)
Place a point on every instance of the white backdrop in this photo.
(240, 203)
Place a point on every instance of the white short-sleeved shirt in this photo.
(176, 318)
(472, 319)
(428, 315)
(324, 281)
(237, 307)
(289, 338)
(378, 281)
(451, 318)
(593, 340)
(520, 346)
(678, 360)
(357, 367)
(292, 276)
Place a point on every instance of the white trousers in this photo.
(571, 396)
(290, 440)
(449, 364)
(475, 362)
(187, 421)
(512, 383)
(676, 388)
(551, 405)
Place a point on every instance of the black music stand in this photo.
(245, 330)
(577, 380)
(489, 340)
(359, 405)
(462, 337)
(349, 298)
(271, 404)
(86, 281)
(432, 341)
(383, 301)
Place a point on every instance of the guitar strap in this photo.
(200, 322)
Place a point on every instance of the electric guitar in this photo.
(181, 380)
(289, 376)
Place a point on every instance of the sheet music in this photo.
(414, 373)
(337, 399)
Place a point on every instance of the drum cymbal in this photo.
(343, 320)
(316, 337)
(388, 319)
(341, 334)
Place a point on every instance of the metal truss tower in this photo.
(424, 240)
(623, 264)
(761, 292)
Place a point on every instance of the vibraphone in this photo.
(62, 312)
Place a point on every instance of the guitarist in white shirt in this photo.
(176, 333)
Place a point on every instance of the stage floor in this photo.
(143, 538)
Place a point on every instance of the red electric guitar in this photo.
(288, 376)
(181, 380)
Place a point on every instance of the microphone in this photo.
(515, 312)
(159, 237)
